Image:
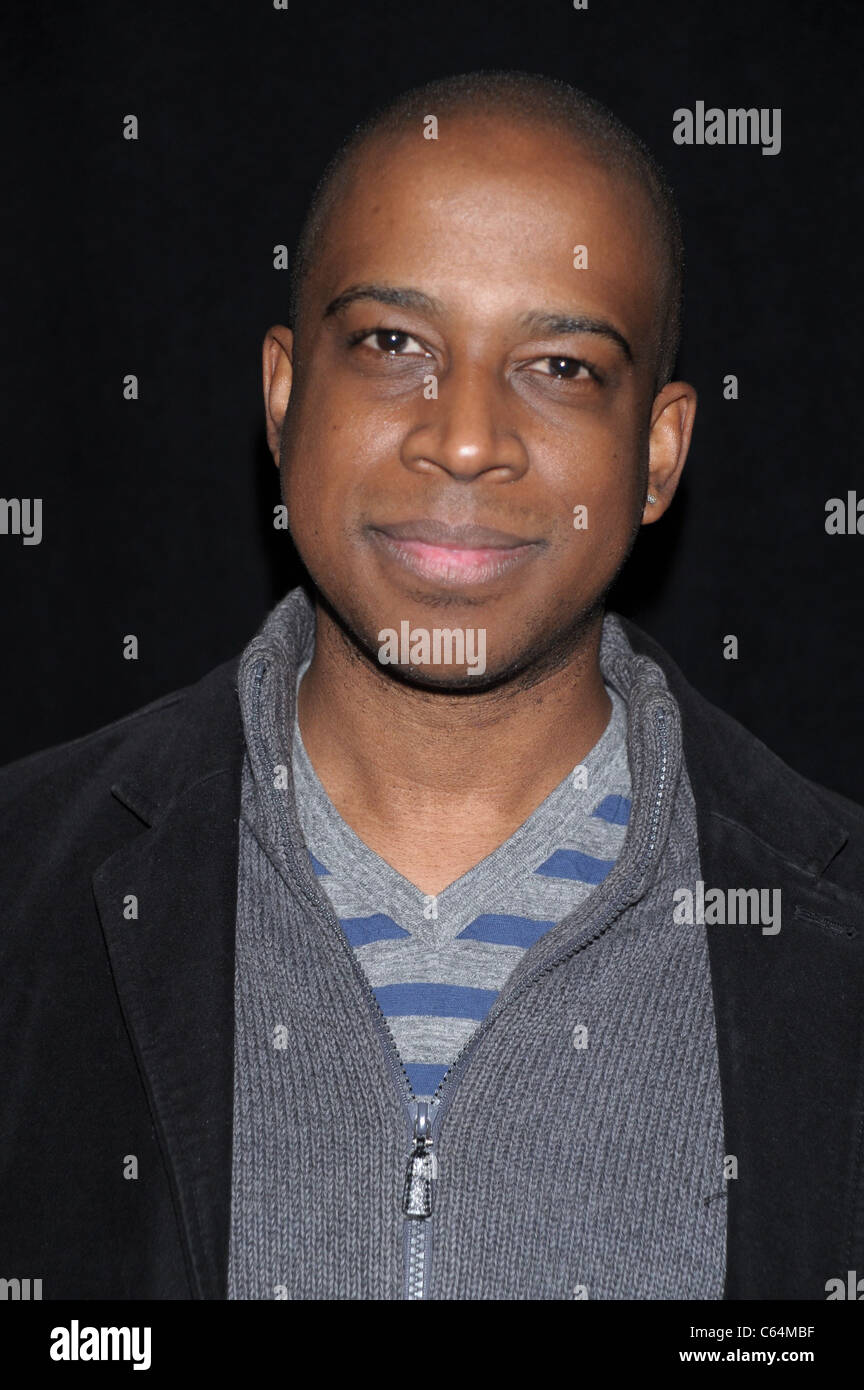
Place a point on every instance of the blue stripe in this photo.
(425, 1076)
(379, 927)
(572, 863)
(614, 809)
(318, 867)
(442, 1001)
(501, 929)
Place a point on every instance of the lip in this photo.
(453, 555)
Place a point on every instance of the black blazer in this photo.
(116, 1038)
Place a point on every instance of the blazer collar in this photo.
(736, 776)
(202, 738)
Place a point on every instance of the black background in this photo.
(155, 257)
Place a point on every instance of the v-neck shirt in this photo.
(436, 963)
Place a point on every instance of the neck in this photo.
(392, 752)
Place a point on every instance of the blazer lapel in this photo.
(173, 964)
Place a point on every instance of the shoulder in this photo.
(735, 775)
(160, 738)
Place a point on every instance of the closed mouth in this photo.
(453, 555)
(468, 536)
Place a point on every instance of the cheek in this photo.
(596, 511)
(314, 447)
(331, 434)
(594, 487)
(322, 480)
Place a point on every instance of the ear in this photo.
(672, 416)
(278, 370)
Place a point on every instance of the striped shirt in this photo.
(437, 963)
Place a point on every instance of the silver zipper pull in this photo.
(422, 1167)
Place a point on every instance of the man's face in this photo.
(478, 396)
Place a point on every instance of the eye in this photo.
(392, 341)
(565, 368)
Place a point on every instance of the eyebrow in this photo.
(537, 321)
(554, 325)
(384, 294)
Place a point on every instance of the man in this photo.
(447, 944)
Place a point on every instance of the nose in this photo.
(469, 430)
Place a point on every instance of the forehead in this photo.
(489, 214)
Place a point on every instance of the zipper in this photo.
(424, 1117)
(417, 1202)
